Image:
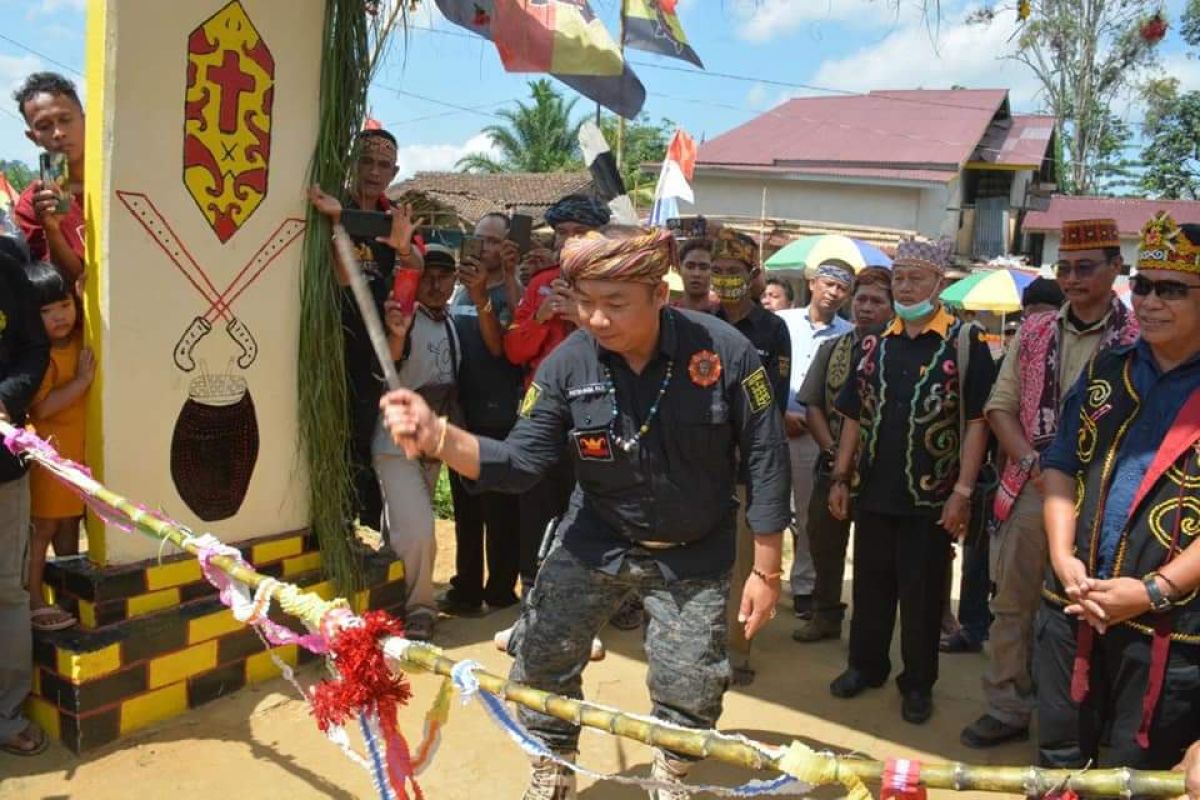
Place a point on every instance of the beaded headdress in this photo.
(1165, 245)
(1089, 234)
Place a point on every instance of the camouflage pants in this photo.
(685, 639)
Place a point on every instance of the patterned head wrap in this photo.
(1165, 245)
(937, 255)
(736, 246)
(629, 254)
(1088, 234)
(377, 143)
(578, 208)
(835, 270)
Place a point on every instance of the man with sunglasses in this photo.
(1048, 355)
(1118, 654)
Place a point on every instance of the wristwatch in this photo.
(1159, 602)
(1028, 462)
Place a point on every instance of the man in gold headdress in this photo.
(654, 402)
(1118, 639)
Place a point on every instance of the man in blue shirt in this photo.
(1118, 640)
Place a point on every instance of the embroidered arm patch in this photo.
(532, 394)
(758, 390)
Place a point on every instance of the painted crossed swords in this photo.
(220, 303)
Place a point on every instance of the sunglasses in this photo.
(1083, 269)
(1166, 290)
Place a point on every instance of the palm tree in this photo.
(537, 137)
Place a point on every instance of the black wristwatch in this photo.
(1159, 602)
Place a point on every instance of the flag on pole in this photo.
(653, 26)
(372, 124)
(561, 37)
(674, 180)
(8, 199)
(524, 41)
(605, 176)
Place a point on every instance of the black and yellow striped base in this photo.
(155, 641)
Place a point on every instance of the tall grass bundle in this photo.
(355, 36)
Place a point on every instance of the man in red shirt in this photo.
(51, 108)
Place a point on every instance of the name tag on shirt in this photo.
(589, 390)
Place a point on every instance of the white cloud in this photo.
(763, 20)
(1185, 69)
(47, 7)
(414, 158)
(955, 53)
(758, 97)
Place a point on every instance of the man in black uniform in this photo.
(375, 168)
(734, 264)
(655, 403)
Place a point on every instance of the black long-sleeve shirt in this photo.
(24, 354)
(678, 484)
(769, 335)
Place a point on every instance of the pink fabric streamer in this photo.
(233, 594)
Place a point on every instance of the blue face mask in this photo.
(913, 312)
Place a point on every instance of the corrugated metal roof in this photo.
(919, 129)
(1020, 141)
(923, 176)
(1130, 213)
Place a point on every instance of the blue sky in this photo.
(846, 45)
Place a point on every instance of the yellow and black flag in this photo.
(653, 25)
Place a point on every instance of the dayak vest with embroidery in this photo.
(841, 362)
(1110, 406)
(931, 424)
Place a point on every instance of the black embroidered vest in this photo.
(932, 423)
(1110, 406)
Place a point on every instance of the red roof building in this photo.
(935, 162)
(1041, 228)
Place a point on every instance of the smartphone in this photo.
(472, 247)
(520, 229)
(366, 224)
(53, 168)
(404, 287)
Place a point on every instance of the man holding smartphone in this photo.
(52, 223)
(485, 525)
(378, 257)
(545, 317)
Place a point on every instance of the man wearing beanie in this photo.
(1047, 356)
(653, 402)
(1042, 294)
(1118, 637)
(913, 410)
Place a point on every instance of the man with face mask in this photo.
(734, 262)
(809, 328)
(904, 412)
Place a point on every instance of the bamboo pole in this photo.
(738, 751)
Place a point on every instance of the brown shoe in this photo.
(815, 630)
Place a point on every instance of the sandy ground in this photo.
(261, 742)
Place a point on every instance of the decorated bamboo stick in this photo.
(735, 750)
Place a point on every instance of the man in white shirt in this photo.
(426, 348)
(809, 328)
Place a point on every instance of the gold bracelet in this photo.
(487, 309)
(766, 577)
(437, 451)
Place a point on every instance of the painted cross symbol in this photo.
(233, 82)
(152, 220)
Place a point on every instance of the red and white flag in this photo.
(675, 179)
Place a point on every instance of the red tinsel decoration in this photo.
(364, 680)
(1061, 794)
(1154, 29)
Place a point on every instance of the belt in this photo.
(659, 545)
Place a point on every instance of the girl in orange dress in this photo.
(58, 414)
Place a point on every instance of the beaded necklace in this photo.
(628, 445)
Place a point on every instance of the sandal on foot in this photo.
(30, 742)
(50, 618)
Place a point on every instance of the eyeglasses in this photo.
(1166, 290)
(1082, 269)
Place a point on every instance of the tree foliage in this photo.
(537, 136)
(1172, 152)
(1085, 54)
(19, 173)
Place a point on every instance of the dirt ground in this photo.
(261, 742)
